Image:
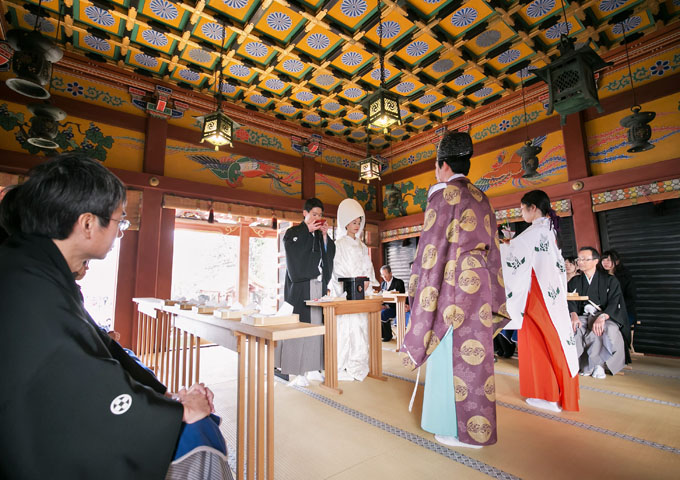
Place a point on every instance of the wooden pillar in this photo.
(585, 221)
(154, 145)
(576, 146)
(243, 262)
(379, 197)
(124, 313)
(308, 178)
(165, 253)
(148, 248)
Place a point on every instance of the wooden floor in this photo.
(628, 427)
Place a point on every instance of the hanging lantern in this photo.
(529, 154)
(639, 132)
(32, 62)
(369, 168)
(571, 79)
(218, 129)
(44, 125)
(383, 109)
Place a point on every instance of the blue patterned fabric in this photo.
(204, 433)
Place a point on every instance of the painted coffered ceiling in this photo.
(314, 61)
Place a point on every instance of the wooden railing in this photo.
(173, 354)
(162, 337)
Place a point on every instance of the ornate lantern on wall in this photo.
(383, 109)
(44, 125)
(218, 128)
(571, 79)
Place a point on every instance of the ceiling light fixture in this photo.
(383, 109)
(528, 151)
(369, 167)
(639, 131)
(218, 128)
(571, 78)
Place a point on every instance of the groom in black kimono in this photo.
(309, 264)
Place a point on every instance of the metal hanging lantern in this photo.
(44, 125)
(383, 109)
(369, 168)
(571, 79)
(639, 131)
(218, 129)
(32, 62)
(529, 154)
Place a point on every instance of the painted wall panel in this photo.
(495, 173)
(116, 147)
(333, 190)
(607, 139)
(205, 165)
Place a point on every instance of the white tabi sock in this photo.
(454, 442)
(544, 404)
(299, 381)
(315, 376)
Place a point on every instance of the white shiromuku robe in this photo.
(351, 260)
(536, 248)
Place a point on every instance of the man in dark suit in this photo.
(389, 283)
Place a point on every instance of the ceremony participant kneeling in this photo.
(351, 260)
(536, 288)
(74, 404)
(456, 296)
(601, 322)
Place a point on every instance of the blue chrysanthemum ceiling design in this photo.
(315, 61)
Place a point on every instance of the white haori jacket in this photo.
(536, 248)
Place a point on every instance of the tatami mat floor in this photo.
(628, 427)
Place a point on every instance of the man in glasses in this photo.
(70, 393)
(601, 323)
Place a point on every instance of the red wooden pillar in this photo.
(585, 221)
(308, 178)
(578, 167)
(125, 290)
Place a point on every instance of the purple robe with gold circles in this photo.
(457, 281)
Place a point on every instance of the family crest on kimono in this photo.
(536, 290)
(72, 396)
(457, 303)
(309, 265)
(600, 324)
(351, 260)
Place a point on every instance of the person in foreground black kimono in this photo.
(600, 323)
(74, 405)
(389, 310)
(309, 265)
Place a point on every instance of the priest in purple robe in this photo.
(457, 303)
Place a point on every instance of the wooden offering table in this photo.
(372, 306)
(400, 300)
(253, 344)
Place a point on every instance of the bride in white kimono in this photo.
(351, 260)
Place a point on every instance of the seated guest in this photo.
(389, 310)
(571, 265)
(611, 262)
(71, 396)
(600, 324)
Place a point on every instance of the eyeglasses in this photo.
(123, 223)
(584, 259)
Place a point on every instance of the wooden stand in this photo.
(372, 306)
(400, 300)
